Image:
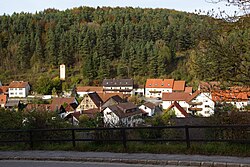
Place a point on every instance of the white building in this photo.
(125, 86)
(179, 97)
(122, 114)
(19, 89)
(201, 104)
(155, 87)
(148, 108)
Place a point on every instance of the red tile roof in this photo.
(57, 102)
(4, 89)
(209, 86)
(3, 99)
(188, 90)
(159, 83)
(175, 96)
(149, 105)
(222, 96)
(89, 89)
(18, 84)
(106, 96)
(175, 104)
(179, 86)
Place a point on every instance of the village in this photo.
(113, 101)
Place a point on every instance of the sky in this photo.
(31, 6)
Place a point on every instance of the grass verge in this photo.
(226, 149)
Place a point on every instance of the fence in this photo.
(187, 134)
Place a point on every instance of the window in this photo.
(20, 88)
(207, 106)
(206, 112)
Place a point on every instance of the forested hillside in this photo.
(122, 42)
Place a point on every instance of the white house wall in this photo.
(166, 104)
(207, 105)
(154, 95)
(110, 118)
(18, 92)
(147, 110)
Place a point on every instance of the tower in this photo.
(62, 72)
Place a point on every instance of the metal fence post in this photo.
(124, 139)
(31, 138)
(73, 138)
(187, 136)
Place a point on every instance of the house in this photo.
(90, 101)
(179, 111)
(125, 86)
(239, 96)
(4, 90)
(12, 104)
(148, 108)
(71, 117)
(112, 101)
(69, 102)
(3, 100)
(239, 99)
(122, 114)
(179, 97)
(19, 89)
(201, 104)
(155, 87)
(139, 90)
(83, 90)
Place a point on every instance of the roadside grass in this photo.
(225, 149)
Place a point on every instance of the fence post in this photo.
(124, 139)
(187, 136)
(73, 138)
(31, 138)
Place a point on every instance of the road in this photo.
(28, 163)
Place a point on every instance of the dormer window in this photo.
(168, 84)
(150, 84)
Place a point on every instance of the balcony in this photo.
(195, 103)
(194, 109)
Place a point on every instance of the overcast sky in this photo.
(31, 6)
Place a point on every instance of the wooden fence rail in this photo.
(227, 133)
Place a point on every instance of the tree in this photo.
(23, 53)
(44, 85)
